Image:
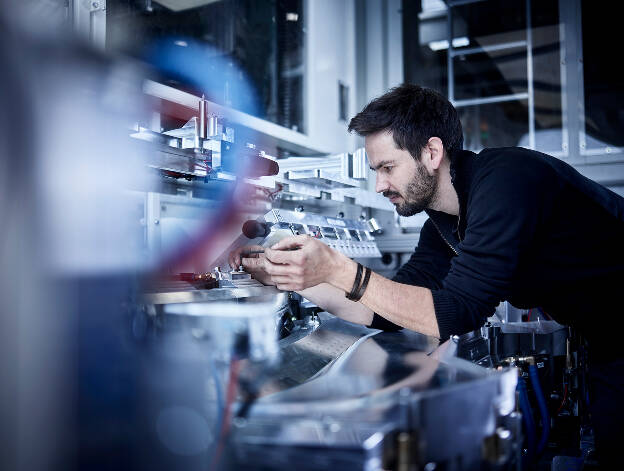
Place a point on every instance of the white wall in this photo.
(330, 27)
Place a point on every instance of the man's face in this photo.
(407, 183)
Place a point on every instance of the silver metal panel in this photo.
(382, 384)
(269, 133)
(213, 295)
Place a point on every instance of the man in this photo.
(505, 224)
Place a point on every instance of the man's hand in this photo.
(253, 263)
(313, 263)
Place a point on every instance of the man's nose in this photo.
(381, 184)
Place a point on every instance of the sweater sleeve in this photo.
(505, 207)
(427, 267)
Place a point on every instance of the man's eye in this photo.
(387, 168)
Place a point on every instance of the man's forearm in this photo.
(333, 300)
(316, 265)
(405, 305)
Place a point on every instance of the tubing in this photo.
(541, 402)
(527, 417)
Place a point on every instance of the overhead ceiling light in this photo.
(180, 43)
(292, 16)
(444, 44)
(180, 5)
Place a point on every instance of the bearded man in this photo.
(505, 224)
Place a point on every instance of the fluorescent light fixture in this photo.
(433, 5)
(444, 44)
(292, 16)
(181, 5)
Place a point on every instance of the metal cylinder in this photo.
(213, 126)
(202, 118)
(359, 169)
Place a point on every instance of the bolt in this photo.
(95, 5)
(156, 221)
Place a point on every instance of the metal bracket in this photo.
(89, 20)
(96, 5)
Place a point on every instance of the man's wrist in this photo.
(343, 273)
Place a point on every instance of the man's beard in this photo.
(419, 193)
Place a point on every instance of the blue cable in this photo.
(527, 417)
(541, 402)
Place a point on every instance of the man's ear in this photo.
(436, 149)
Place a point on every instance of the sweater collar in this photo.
(461, 170)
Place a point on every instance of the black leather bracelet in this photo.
(360, 292)
(356, 283)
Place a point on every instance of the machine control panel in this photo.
(353, 238)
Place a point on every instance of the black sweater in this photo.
(532, 231)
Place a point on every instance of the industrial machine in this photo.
(291, 383)
(137, 346)
(269, 379)
(182, 362)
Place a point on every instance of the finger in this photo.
(284, 286)
(282, 256)
(291, 242)
(253, 264)
(288, 286)
(236, 256)
(288, 283)
(282, 270)
(234, 260)
(252, 251)
(282, 279)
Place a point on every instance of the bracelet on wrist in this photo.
(356, 282)
(363, 287)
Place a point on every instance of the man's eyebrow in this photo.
(381, 164)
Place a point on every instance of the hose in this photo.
(541, 402)
(527, 417)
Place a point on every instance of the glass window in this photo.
(495, 73)
(489, 23)
(490, 61)
(495, 124)
(264, 38)
(603, 78)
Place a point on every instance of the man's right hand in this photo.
(253, 263)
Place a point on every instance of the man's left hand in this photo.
(311, 263)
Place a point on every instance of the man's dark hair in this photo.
(412, 114)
